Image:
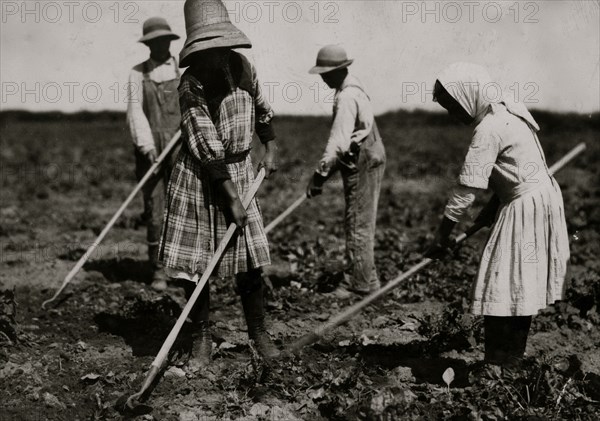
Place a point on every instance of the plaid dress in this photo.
(220, 113)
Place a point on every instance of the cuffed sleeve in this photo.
(200, 134)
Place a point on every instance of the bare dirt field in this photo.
(64, 176)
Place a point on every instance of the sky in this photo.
(76, 55)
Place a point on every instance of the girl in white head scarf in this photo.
(471, 86)
(523, 266)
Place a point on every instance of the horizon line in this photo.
(393, 111)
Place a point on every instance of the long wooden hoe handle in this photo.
(285, 213)
(166, 347)
(153, 169)
(351, 311)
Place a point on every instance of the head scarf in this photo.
(471, 86)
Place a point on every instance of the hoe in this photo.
(351, 311)
(154, 169)
(130, 403)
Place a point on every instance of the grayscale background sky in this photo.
(76, 55)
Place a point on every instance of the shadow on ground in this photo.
(425, 367)
(120, 270)
(144, 325)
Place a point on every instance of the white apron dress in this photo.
(524, 264)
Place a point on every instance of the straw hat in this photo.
(208, 26)
(330, 57)
(155, 28)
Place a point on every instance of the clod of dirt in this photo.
(90, 378)
(282, 414)
(13, 369)
(52, 401)
(259, 410)
(187, 416)
(175, 372)
(381, 401)
(402, 375)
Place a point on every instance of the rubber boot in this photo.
(250, 288)
(199, 315)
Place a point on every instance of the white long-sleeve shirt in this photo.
(139, 126)
(352, 121)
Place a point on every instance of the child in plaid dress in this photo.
(221, 106)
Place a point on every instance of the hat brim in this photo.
(319, 70)
(159, 34)
(232, 40)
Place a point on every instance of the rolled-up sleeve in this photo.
(139, 126)
(459, 203)
(200, 134)
(264, 113)
(480, 159)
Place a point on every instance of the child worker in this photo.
(153, 118)
(524, 263)
(354, 147)
(221, 107)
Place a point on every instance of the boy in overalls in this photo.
(153, 116)
(356, 150)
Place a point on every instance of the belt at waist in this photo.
(230, 158)
(519, 190)
(236, 157)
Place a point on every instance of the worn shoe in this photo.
(262, 342)
(159, 280)
(340, 293)
(199, 316)
(374, 286)
(202, 348)
(159, 285)
(254, 311)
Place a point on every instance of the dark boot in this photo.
(202, 348)
(250, 288)
(506, 339)
(517, 340)
(495, 331)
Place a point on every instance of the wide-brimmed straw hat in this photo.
(331, 57)
(157, 27)
(208, 26)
